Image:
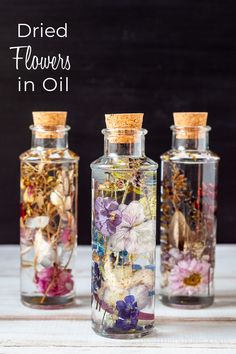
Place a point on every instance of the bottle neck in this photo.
(49, 138)
(190, 138)
(124, 142)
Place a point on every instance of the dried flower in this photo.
(170, 258)
(37, 222)
(98, 243)
(54, 281)
(96, 277)
(68, 203)
(189, 277)
(119, 281)
(23, 212)
(133, 234)
(145, 277)
(28, 196)
(107, 215)
(45, 252)
(149, 204)
(26, 235)
(179, 231)
(128, 313)
(124, 210)
(68, 237)
(111, 295)
(179, 185)
(141, 294)
(56, 199)
(48, 227)
(120, 184)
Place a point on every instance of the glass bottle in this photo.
(123, 231)
(48, 222)
(188, 214)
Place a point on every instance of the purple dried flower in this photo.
(128, 313)
(107, 215)
(96, 277)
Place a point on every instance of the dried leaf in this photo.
(179, 231)
(39, 199)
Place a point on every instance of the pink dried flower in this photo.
(29, 195)
(54, 281)
(27, 236)
(66, 236)
(189, 277)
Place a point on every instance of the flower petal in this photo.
(134, 213)
(130, 299)
(38, 222)
(120, 305)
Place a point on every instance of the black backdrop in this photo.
(153, 56)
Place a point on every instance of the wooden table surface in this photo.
(24, 330)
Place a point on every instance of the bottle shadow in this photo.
(224, 301)
(81, 301)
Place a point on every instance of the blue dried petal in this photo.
(150, 266)
(136, 266)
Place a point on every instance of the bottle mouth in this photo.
(124, 131)
(124, 135)
(206, 128)
(50, 132)
(190, 132)
(54, 129)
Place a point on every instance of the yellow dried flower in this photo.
(149, 205)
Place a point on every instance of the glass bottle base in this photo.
(54, 302)
(98, 329)
(187, 302)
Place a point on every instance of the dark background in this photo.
(152, 56)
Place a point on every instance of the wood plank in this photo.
(114, 350)
(223, 309)
(9, 260)
(189, 334)
(23, 329)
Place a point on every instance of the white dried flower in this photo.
(44, 251)
(56, 199)
(37, 222)
(141, 294)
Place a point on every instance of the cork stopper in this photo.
(50, 121)
(124, 120)
(124, 125)
(189, 124)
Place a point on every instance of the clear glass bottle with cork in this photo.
(188, 214)
(48, 221)
(123, 231)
